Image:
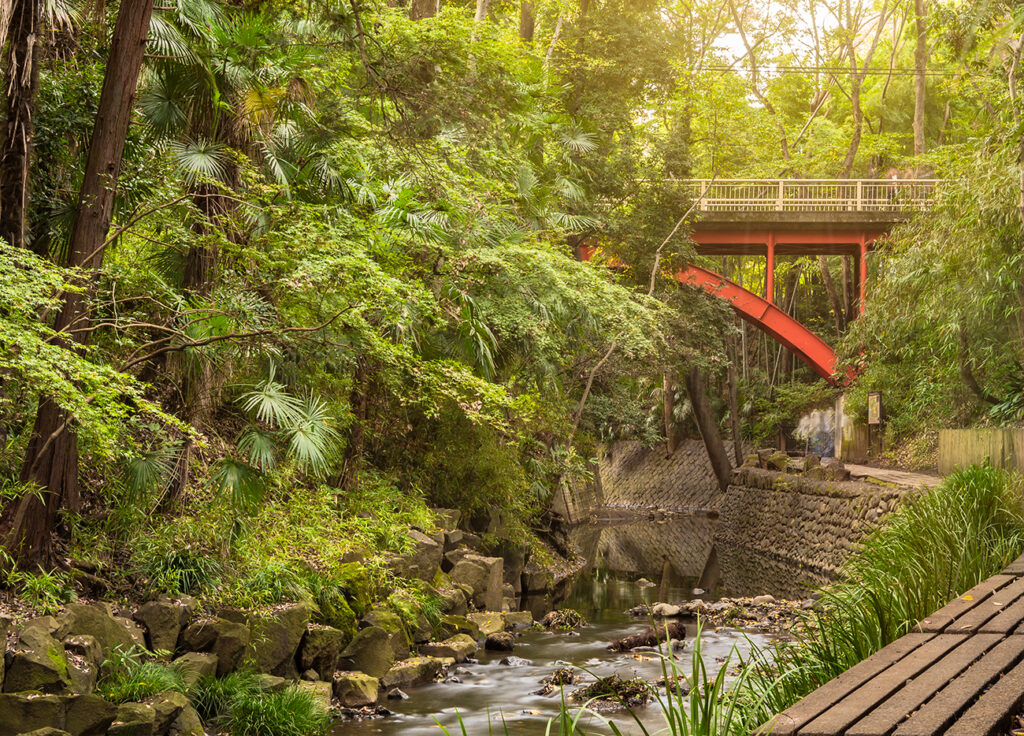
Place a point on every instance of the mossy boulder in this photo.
(88, 715)
(133, 719)
(370, 652)
(37, 662)
(25, 712)
(414, 671)
(489, 622)
(163, 620)
(98, 621)
(778, 461)
(167, 706)
(452, 625)
(228, 640)
(517, 619)
(194, 666)
(188, 723)
(453, 601)
(274, 639)
(48, 731)
(459, 647)
(321, 649)
(399, 636)
(355, 689)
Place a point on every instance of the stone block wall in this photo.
(636, 477)
(813, 524)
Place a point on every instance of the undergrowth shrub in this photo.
(212, 696)
(290, 712)
(129, 675)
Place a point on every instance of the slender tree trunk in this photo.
(420, 9)
(849, 294)
(527, 21)
(21, 81)
(833, 296)
(920, 80)
(734, 404)
(669, 406)
(708, 427)
(482, 8)
(51, 460)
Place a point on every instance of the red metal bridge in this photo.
(795, 217)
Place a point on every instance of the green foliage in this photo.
(212, 696)
(178, 571)
(770, 410)
(130, 675)
(45, 590)
(293, 711)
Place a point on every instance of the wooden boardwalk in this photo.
(960, 673)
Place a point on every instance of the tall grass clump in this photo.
(290, 712)
(935, 547)
(130, 675)
(237, 704)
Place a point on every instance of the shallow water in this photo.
(672, 554)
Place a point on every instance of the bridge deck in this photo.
(960, 673)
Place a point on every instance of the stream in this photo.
(669, 557)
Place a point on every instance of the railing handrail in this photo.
(801, 181)
(804, 195)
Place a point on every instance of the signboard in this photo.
(875, 407)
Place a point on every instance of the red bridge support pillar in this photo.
(863, 268)
(769, 270)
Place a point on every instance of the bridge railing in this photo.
(812, 195)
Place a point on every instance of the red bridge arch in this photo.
(761, 313)
(810, 348)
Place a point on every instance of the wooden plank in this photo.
(993, 710)
(941, 710)
(790, 720)
(889, 714)
(960, 605)
(985, 611)
(1016, 567)
(839, 717)
(1007, 620)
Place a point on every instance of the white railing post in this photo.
(703, 195)
(778, 202)
(860, 195)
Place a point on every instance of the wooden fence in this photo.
(959, 448)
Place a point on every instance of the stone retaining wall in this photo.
(801, 521)
(636, 477)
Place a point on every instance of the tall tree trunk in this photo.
(420, 9)
(21, 81)
(734, 404)
(482, 8)
(920, 80)
(708, 427)
(51, 460)
(527, 21)
(833, 296)
(669, 405)
(849, 294)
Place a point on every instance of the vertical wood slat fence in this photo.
(812, 195)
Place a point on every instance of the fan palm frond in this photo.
(312, 440)
(243, 483)
(270, 403)
(260, 447)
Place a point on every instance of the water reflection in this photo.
(678, 553)
(675, 554)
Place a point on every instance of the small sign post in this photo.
(874, 415)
